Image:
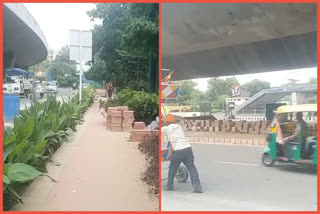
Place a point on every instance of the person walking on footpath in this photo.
(110, 89)
(182, 153)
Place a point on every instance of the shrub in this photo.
(145, 105)
(150, 148)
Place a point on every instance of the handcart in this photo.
(182, 172)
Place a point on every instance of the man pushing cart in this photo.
(179, 149)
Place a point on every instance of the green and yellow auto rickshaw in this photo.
(282, 126)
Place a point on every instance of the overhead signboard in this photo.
(78, 39)
(235, 91)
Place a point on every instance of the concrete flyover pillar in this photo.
(8, 60)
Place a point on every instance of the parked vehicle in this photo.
(282, 126)
(52, 87)
(17, 82)
(74, 86)
(41, 88)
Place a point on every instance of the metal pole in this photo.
(80, 84)
(194, 103)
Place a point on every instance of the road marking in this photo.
(233, 163)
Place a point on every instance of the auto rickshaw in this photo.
(283, 125)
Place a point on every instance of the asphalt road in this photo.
(233, 178)
(65, 92)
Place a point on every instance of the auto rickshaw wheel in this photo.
(182, 174)
(267, 160)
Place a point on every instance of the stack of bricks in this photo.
(116, 121)
(139, 132)
(251, 127)
(245, 127)
(137, 135)
(257, 127)
(128, 118)
(264, 127)
(110, 109)
(122, 109)
(226, 125)
(187, 124)
(139, 125)
(216, 125)
(237, 126)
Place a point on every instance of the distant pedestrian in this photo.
(109, 89)
(182, 153)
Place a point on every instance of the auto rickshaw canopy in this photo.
(297, 108)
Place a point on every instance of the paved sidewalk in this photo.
(97, 171)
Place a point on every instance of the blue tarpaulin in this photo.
(17, 72)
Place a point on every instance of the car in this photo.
(52, 87)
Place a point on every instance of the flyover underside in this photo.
(22, 46)
(291, 52)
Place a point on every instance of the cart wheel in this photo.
(182, 174)
(267, 160)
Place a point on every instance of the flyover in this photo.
(210, 40)
(24, 43)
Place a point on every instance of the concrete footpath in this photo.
(98, 170)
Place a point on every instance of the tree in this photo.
(197, 97)
(127, 43)
(61, 65)
(40, 67)
(313, 80)
(219, 89)
(186, 92)
(255, 86)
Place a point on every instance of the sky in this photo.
(275, 78)
(56, 19)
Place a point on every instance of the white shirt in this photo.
(176, 136)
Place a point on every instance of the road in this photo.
(233, 178)
(65, 92)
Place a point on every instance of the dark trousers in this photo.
(109, 93)
(186, 157)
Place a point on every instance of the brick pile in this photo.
(246, 127)
(110, 109)
(119, 118)
(116, 121)
(139, 125)
(137, 135)
(127, 121)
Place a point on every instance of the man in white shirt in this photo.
(182, 153)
